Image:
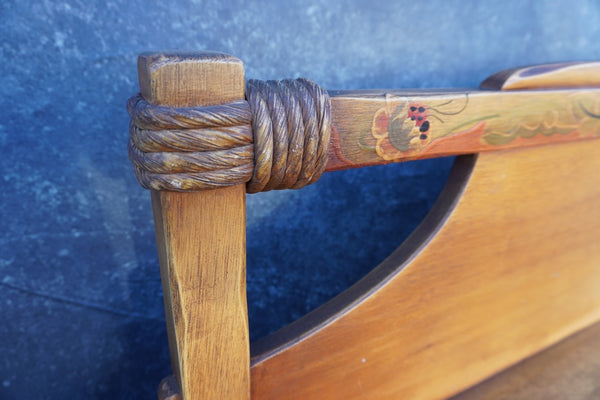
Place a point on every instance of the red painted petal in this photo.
(382, 122)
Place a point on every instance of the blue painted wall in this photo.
(80, 296)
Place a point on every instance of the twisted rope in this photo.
(277, 139)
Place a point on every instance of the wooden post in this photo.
(201, 241)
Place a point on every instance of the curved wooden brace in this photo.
(295, 332)
(504, 265)
(510, 269)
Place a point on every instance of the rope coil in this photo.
(277, 139)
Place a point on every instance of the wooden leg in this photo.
(201, 242)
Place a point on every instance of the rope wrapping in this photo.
(277, 139)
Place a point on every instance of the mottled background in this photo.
(80, 296)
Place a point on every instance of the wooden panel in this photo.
(201, 241)
(511, 269)
(567, 370)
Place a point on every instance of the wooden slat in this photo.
(201, 241)
(513, 267)
(373, 128)
(555, 103)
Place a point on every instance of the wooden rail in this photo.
(536, 105)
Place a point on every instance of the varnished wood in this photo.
(512, 268)
(201, 241)
(381, 126)
(186, 79)
(373, 128)
(567, 370)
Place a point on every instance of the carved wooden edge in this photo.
(270, 345)
(290, 131)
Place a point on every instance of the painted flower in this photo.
(397, 132)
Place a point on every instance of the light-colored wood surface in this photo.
(182, 79)
(511, 268)
(201, 241)
(568, 370)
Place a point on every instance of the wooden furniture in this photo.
(567, 370)
(505, 265)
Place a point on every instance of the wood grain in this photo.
(567, 370)
(201, 241)
(513, 267)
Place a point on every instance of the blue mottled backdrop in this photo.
(80, 296)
